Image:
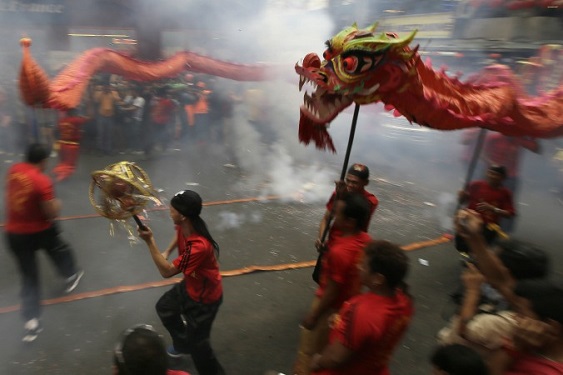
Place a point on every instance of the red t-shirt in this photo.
(196, 259)
(530, 364)
(500, 197)
(372, 199)
(26, 188)
(340, 264)
(370, 326)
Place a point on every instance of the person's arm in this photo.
(505, 211)
(472, 281)
(165, 268)
(469, 225)
(325, 221)
(51, 208)
(331, 292)
(173, 245)
(334, 355)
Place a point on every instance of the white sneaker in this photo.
(72, 282)
(32, 329)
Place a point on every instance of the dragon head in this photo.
(357, 67)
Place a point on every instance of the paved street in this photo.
(257, 327)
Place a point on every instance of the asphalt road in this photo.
(257, 327)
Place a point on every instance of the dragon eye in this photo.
(327, 54)
(350, 64)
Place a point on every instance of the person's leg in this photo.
(312, 341)
(23, 250)
(490, 235)
(59, 252)
(460, 244)
(169, 310)
(200, 318)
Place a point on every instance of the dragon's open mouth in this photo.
(319, 105)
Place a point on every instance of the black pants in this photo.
(23, 247)
(489, 235)
(189, 324)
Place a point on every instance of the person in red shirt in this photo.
(189, 308)
(355, 181)
(70, 133)
(507, 151)
(491, 199)
(339, 278)
(369, 326)
(141, 351)
(32, 208)
(163, 118)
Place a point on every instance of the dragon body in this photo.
(66, 89)
(361, 67)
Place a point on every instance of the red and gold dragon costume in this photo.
(358, 67)
(361, 67)
(65, 91)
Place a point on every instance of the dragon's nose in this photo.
(312, 61)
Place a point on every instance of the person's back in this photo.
(27, 187)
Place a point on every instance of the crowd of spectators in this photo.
(125, 117)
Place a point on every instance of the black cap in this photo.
(359, 170)
(498, 169)
(187, 202)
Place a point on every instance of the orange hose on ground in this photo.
(237, 272)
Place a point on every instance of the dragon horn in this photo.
(403, 42)
(355, 25)
(372, 27)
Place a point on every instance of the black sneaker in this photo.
(72, 282)
(32, 329)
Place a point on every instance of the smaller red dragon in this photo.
(361, 67)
